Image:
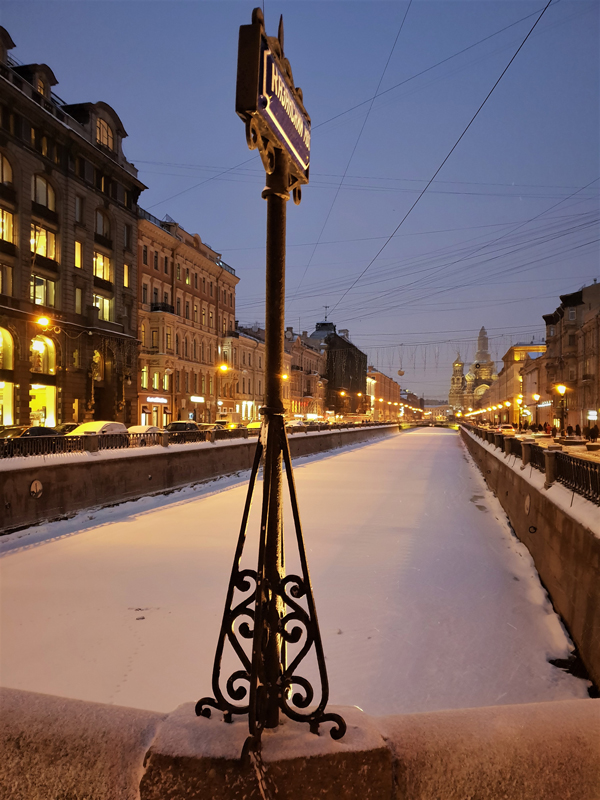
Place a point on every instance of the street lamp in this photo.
(536, 397)
(561, 389)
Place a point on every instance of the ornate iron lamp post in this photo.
(265, 606)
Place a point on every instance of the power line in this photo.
(358, 138)
(473, 118)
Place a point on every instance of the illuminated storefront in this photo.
(42, 391)
(7, 387)
(155, 411)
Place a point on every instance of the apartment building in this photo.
(186, 296)
(308, 384)
(384, 396)
(68, 265)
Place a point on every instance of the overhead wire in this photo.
(454, 146)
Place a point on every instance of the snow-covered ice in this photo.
(425, 598)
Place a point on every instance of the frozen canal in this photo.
(425, 599)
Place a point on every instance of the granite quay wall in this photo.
(55, 747)
(565, 551)
(42, 488)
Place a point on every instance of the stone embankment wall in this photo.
(55, 747)
(73, 482)
(566, 552)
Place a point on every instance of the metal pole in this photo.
(276, 194)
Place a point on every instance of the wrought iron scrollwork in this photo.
(244, 691)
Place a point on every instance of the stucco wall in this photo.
(565, 552)
(74, 482)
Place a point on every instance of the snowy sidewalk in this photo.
(425, 599)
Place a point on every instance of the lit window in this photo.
(155, 380)
(41, 86)
(6, 176)
(195, 313)
(168, 336)
(43, 242)
(102, 267)
(187, 277)
(144, 377)
(165, 382)
(42, 192)
(78, 254)
(204, 316)
(210, 319)
(44, 146)
(143, 334)
(104, 306)
(104, 134)
(126, 275)
(6, 225)
(78, 294)
(42, 291)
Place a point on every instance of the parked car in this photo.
(97, 427)
(232, 426)
(26, 431)
(66, 427)
(144, 429)
(255, 425)
(181, 426)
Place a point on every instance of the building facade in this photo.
(572, 359)
(186, 320)
(508, 399)
(384, 396)
(308, 384)
(68, 264)
(345, 372)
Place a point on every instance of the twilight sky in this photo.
(509, 223)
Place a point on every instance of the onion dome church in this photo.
(465, 390)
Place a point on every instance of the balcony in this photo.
(45, 213)
(589, 376)
(162, 307)
(103, 241)
(100, 283)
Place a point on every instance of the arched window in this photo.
(42, 355)
(104, 134)
(42, 192)
(102, 224)
(7, 350)
(6, 175)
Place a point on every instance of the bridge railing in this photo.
(578, 474)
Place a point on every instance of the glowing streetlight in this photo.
(43, 322)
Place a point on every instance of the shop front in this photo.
(42, 387)
(7, 386)
(155, 410)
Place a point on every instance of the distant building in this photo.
(346, 370)
(308, 384)
(186, 298)
(506, 396)
(68, 233)
(465, 390)
(384, 396)
(250, 375)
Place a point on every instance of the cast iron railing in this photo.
(537, 459)
(579, 475)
